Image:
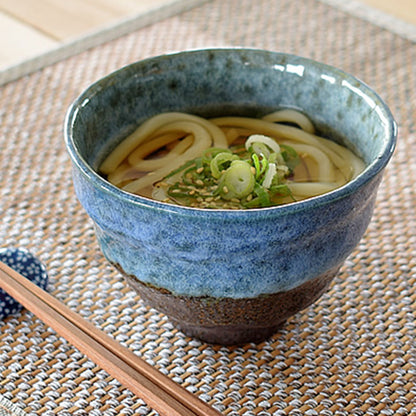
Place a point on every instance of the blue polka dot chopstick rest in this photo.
(25, 263)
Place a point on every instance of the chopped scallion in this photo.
(253, 176)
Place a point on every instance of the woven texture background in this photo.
(352, 353)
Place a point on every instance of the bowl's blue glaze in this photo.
(234, 254)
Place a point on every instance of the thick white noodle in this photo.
(283, 132)
(146, 165)
(289, 115)
(187, 127)
(120, 174)
(154, 144)
(352, 165)
(308, 189)
(325, 166)
(147, 129)
(203, 142)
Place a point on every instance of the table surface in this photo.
(351, 353)
(43, 31)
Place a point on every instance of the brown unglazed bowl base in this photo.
(229, 321)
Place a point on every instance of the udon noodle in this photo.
(229, 162)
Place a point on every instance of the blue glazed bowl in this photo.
(224, 276)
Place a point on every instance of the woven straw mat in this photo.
(351, 353)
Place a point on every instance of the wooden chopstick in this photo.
(157, 390)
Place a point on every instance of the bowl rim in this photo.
(350, 187)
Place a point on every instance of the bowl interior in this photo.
(229, 82)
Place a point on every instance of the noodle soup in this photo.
(228, 276)
(229, 162)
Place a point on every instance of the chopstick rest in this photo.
(29, 266)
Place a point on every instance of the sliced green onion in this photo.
(256, 164)
(238, 181)
(190, 176)
(262, 200)
(181, 168)
(290, 156)
(210, 153)
(268, 177)
(276, 158)
(259, 138)
(250, 176)
(260, 149)
(221, 159)
(263, 196)
(280, 191)
(264, 166)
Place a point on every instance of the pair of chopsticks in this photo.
(157, 390)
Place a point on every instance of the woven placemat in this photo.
(352, 353)
(8, 408)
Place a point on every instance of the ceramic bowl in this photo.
(223, 276)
